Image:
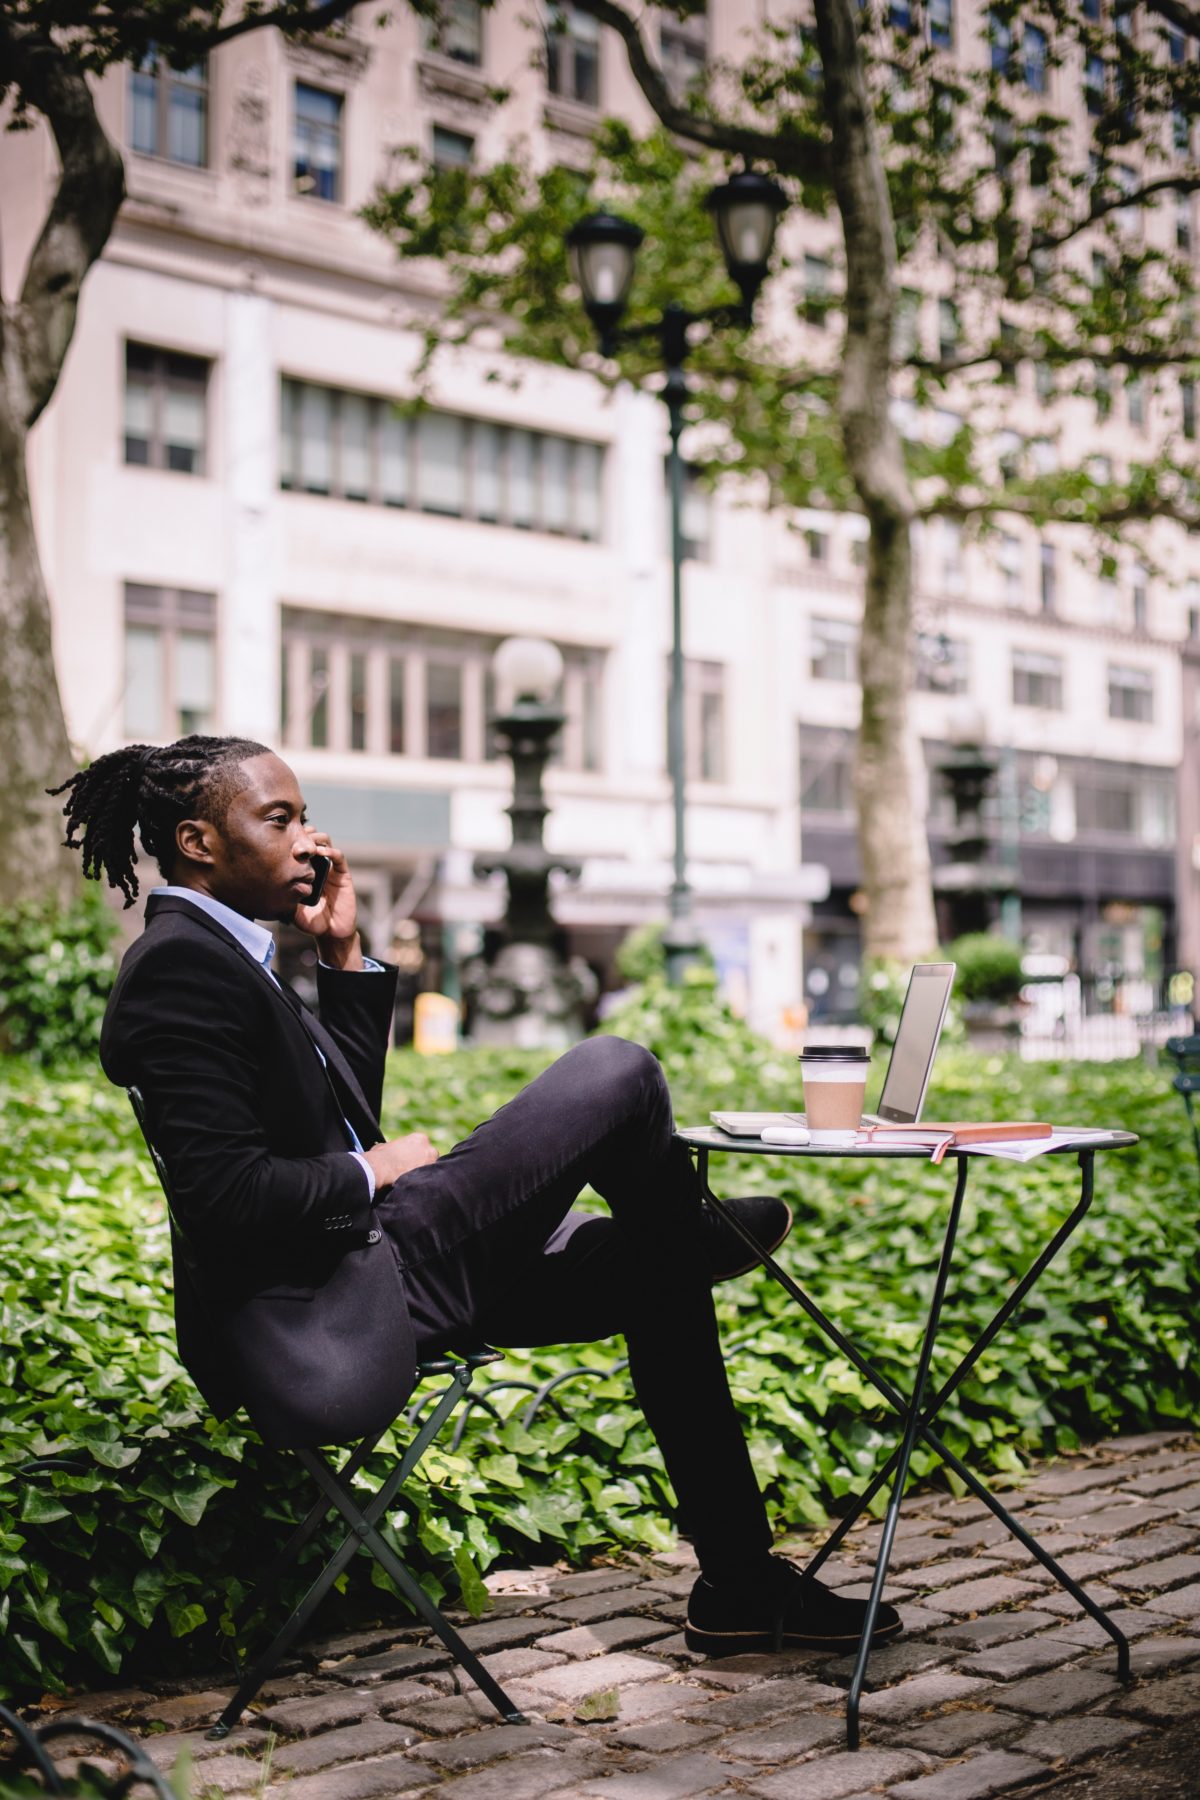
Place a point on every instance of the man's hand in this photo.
(395, 1158)
(333, 921)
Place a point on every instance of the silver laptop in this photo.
(909, 1067)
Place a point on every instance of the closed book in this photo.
(943, 1135)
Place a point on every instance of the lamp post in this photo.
(525, 991)
(603, 251)
(972, 883)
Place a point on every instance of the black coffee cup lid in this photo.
(833, 1053)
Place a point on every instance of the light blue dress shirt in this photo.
(258, 943)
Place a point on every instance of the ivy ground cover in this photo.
(135, 1550)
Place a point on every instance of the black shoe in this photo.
(785, 1611)
(725, 1253)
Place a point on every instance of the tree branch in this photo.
(1060, 356)
(90, 191)
(1184, 18)
(292, 19)
(790, 155)
(1141, 510)
(1100, 209)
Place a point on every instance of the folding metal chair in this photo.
(1186, 1053)
(336, 1494)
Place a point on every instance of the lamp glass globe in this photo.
(526, 668)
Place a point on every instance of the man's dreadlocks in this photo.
(153, 788)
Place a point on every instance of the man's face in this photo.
(259, 860)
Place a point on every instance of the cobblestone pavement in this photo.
(998, 1684)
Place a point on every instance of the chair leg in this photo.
(337, 1494)
(362, 1526)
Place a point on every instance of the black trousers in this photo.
(491, 1249)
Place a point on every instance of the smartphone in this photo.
(321, 867)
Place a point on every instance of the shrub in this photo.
(641, 957)
(137, 1555)
(56, 969)
(989, 967)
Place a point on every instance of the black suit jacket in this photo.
(289, 1301)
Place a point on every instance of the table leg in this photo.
(911, 1429)
(1031, 1544)
(918, 1421)
(981, 1344)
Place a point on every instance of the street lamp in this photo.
(603, 249)
(524, 991)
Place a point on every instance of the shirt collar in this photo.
(255, 939)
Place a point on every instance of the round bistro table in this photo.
(915, 1414)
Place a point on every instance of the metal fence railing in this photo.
(1099, 1018)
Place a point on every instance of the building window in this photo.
(816, 289)
(1187, 404)
(170, 662)
(1140, 596)
(1000, 34)
(1130, 694)
(951, 555)
(906, 322)
(827, 772)
(947, 328)
(165, 409)
(1177, 46)
(317, 143)
(696, 522)
(703, 719)
(1037, 680)
(573, 55)
(1094, 84)
(940, 14)
(169, 109)
(834, 650)
(357, 447)
(1183, 221)
(1135, 400)
(1049, 568)
(1033, 58)
(387, 688)
(452, 149)
(1009, 559)
(683, 53)
(817, 545)
(456, 32)
(941, 664)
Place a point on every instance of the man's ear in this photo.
(195, 840)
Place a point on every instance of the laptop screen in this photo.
(916, 1042)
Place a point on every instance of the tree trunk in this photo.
(34, 750)
(35, 335)
(899, 920)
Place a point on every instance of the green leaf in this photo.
(475, 1596)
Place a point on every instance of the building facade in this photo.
(243, 533)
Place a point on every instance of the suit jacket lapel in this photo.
(347, 1092)
(351, 1097)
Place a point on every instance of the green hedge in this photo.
(136, 1557)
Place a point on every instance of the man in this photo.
(316, 1261)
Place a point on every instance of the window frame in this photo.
(562, 70)
(338, 196)
(397, 656)
(401, 467)
(1135, 682)
(165, 80)
(436, 32)
(161, 386)
(1030, 670)
(834, 641)
(150, 606)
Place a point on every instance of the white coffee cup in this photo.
(835, 1086)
